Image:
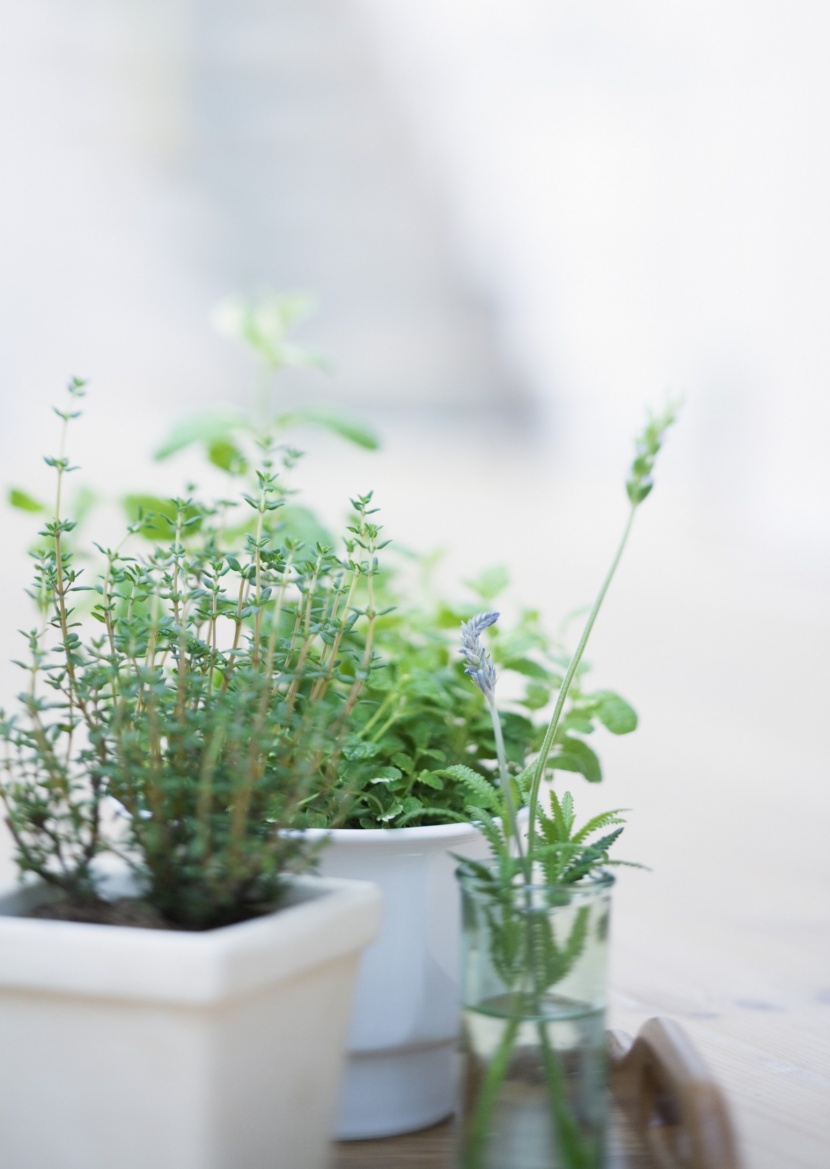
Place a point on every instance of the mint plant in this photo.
(422, 741)
(266, 325)
(208, 698)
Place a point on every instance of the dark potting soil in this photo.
(126, 911)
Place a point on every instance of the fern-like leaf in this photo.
(491, 829)
(597, 823)
(442, 815)
(486, 795)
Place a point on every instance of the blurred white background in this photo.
(539, 215)
(525, 220)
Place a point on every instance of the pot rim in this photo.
(322, 919)
(378, 836)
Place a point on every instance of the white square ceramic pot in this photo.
(147, 1049)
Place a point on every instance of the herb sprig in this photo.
(549, 835)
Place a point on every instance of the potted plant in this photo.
(536, 922)
(151, 778)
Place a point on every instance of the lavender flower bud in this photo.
(479, 664)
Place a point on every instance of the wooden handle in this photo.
(668, 1093)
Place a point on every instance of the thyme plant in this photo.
(208, 698)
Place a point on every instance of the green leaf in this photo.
(264, 324)
(567, 808)
(450, 617)
(443, 815)
(536, 696)
(578, 723)
(490, 583)
(574, 755)
(157, 515)
(300, 523)
(348, 428)
(484, 791)
(206, 427)
(226, 456)
(527, 667)
(558, 828)
(83, 502)
(490, 828)
(386, 775)
(23, 501)
(615, 713)
(597, 823)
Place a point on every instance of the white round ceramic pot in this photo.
(401, 1073)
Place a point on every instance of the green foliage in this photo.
(23, 501)
(514, 901)
(556, 852)
(207, 428)
(209, 697)
(156, 519)
(490, 583)
(266, 325)
(552, 852)
(348, 428)
(423, 748)
(640, 482)
(571, 754)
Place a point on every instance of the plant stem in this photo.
(574, 1153)
(479, 1130)
(553, 726)
(510, 807)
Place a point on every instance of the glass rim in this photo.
(594, 884)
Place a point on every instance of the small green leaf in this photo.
(265, 322)
(83, 502)
(615, 713)
(574, 755)
(527, 667)
(386, 775)
(23, 501)
(536, 696)
(348, 428)
(300, 523)
(431, 779)
(207, 427)
(578, 723)
(356, 750)
(481, 788)
(157, 516)
(226, 456)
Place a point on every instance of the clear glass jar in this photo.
(534, 1087)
